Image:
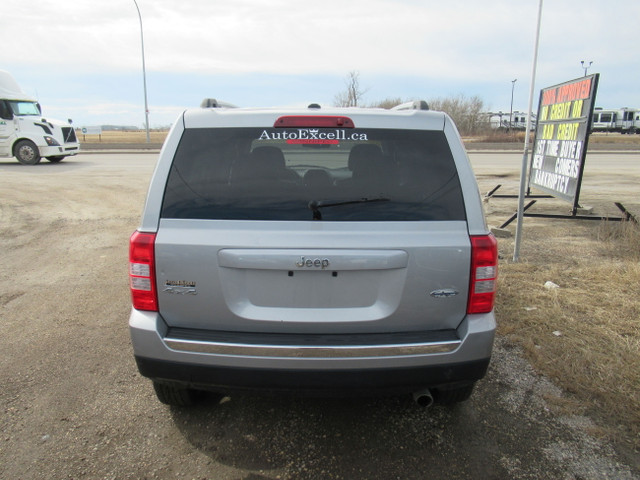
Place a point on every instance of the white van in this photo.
(25, 134)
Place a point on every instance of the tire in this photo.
(27, 152)
(57, 159)
(451, 396)
(184, 397)
(176, 396)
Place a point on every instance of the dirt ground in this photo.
(74, 406)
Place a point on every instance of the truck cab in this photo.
(25, 133)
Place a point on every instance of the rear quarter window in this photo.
(313, 174)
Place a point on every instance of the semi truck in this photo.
(25, 134)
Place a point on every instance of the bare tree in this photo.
(353, 93)
(388, 103)
(467, 113)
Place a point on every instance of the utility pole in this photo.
(144, 76)
(513, 86)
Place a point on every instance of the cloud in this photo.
(253, 52)
(278, 37)
(452, 40)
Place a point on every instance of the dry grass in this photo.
(501, 136)
(585, 334)
(614, 138)
(135, 136)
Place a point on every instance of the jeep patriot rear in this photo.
(313, 250)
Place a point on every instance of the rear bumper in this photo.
(393, 362)
(389, 380)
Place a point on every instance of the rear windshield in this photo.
(313, 174)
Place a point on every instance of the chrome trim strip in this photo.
(296, 258)
(290, 351)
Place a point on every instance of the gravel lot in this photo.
(74, 406)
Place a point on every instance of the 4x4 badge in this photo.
(444, 293)
(180, 287)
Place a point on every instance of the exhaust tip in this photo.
(423, 398)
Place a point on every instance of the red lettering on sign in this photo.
(549, 97)
(586, 89)
(574, 91)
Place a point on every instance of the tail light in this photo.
(484, 273)
(142, 276)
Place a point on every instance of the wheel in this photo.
(449, 396)
(27, 152)
(57, 159)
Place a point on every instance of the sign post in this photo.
(523, 171)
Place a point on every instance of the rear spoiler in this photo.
(415, 105)
(213, 103)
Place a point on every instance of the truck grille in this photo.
(69, 135)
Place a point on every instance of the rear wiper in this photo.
(315, 206)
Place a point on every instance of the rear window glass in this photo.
(313, 174)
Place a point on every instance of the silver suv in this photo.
(313, 250)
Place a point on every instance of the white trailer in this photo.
(510, 121)
(25, 133)
(621, 120)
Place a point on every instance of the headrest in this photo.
(268, 158)
(360, 155)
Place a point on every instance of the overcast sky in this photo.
(82, 59)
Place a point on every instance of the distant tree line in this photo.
(466, 112)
